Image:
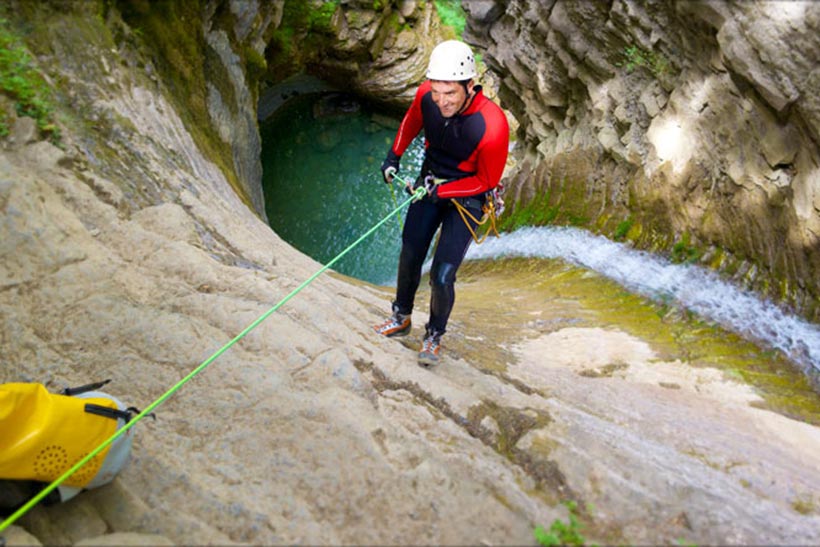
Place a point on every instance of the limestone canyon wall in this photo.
(694, 124)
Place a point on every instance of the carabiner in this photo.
(429, 184)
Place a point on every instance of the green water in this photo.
(321, 155)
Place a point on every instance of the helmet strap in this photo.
(468, 96)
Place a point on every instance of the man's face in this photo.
(449, 96)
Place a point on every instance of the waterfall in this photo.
(693, 287)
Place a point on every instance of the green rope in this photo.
(395, 204)
(418, 194)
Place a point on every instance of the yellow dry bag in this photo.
(43, 434)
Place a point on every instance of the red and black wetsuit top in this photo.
(469, 149)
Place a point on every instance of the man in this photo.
(466, 138)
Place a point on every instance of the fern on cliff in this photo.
(451, 14)
(23, 84)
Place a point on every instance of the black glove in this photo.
(390, 166)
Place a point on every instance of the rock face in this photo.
(126, 254)
(233, 113)
(375, 49)
(384, 53)
(698, 121)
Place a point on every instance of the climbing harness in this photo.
(491, 209)
(418, 194)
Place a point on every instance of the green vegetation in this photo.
(536, 212)
(635, 57)
(309, 17)
(622, 229)
(21, 82)
(256, 63)
(568, 205)
(560, 532)
(319, 19)
(305, 26)
(452, 15)
(684, 252)
(577, 220)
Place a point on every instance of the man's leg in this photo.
(453, 243)
(423, 219)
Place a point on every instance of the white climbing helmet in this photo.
(451, 61)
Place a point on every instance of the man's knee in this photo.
(443, 274)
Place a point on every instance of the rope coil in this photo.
(489, 216)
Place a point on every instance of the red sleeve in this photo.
(490, 157)
(412, 122)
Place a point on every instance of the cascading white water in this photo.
(692, 287)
